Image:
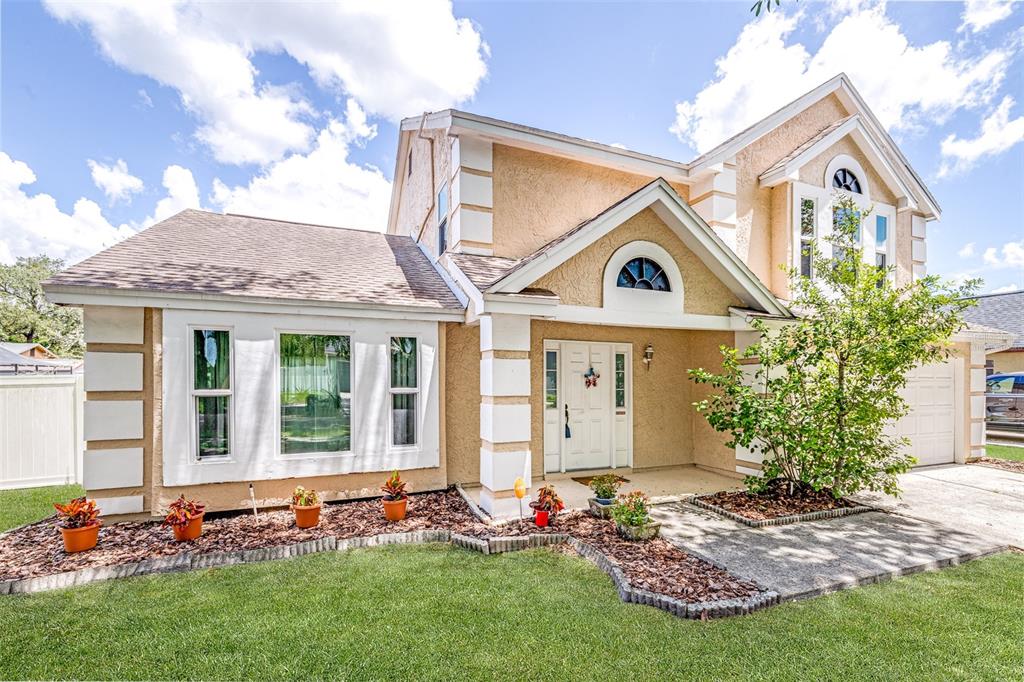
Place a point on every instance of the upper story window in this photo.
(643, 273)
(808, 233)
(881, 240)
(846, 180)
(442, 219)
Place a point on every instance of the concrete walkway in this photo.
(806, 559)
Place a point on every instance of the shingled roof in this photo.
(198, 252)
(1000, 311)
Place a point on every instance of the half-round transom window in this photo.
(845, 179)
(643, 273)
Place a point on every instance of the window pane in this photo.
(805, 260)
(880, 260)
(550, 379)
(620, 362)
(210, 352)
(620, 397)
(807, 217)
(403, 362)
(1000, 385)
(212, 425)
(316, 375)
(620, 380)
(403, 418)
(881, 230)
(442, 203)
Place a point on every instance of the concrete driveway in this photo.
(976, 499)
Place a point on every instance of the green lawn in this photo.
(438, 612)
(1013, 452)
(18, 507)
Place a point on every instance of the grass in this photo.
(18, 507)
(438, 612)
(1014, 452)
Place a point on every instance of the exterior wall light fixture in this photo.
(648, 356)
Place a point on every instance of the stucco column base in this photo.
(503, 504)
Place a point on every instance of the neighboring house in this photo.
(28, 350)
(532, 309)
(35, 358)
(1006, 312)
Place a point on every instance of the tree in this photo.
(826, 386)
(27, 316)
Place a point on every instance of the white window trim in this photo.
(415, 445)
(277, 396)
(619, 298)
(194, 394)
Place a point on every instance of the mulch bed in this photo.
(655, 565)
(658, 566)
(776, 502)
(1006, 464)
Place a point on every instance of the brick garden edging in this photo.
(187, 561)
(780, 520)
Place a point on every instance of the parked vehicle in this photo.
(1004, 401)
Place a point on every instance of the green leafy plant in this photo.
(632, 509)
(182, 511)
(305, 498)
(605, 486)
(548, 500)
(818, 403)
(78, 513)
(394, 488)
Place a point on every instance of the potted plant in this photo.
(395, 498)
(185, 517)
(547, 505)
(78, 524)
(632, 517)
(306, 505)
(605, 488)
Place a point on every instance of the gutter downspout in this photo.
(433, 188)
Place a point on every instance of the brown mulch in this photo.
(655, 565)
(1005, 464)
(37, 549)
(776, 502)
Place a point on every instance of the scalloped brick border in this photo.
(781, 520)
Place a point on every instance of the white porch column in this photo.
(504, 410)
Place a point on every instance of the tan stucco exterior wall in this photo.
(666, 428)
(1008, 361)
(813, 172)
(580, 280)
(538, 197)
(419, 191)
(462, 422)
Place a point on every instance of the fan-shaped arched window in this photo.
(643, 273)
(845, 179)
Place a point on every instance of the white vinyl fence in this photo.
(40, 430)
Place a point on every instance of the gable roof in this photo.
(482, 271)
(1000, 311)
(198, 253)
(678, 215)
(21, 347)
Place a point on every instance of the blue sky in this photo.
(112, 117)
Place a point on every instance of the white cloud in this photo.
(998, 133)
(145, 99)
(906, 85)
(1010, 255)
(32, 225)
(321, 187)
(1008, 289)
(980, 14)
(182, 193)
(115, 180)
(966, 251)
(394, 58)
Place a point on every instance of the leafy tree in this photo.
(815, 396)
(764, 4)
(27, 316)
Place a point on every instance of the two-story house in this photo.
(532, 309)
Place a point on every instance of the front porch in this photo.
(663, 484)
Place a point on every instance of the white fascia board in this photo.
(437, 119)
(399, 181)
(65, 295)
(465, 284)
(689, 226)
(453, 286)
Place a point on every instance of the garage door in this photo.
(930, 423)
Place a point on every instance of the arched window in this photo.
(643, 273)
(845, 179)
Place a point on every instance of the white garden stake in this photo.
(252, 496)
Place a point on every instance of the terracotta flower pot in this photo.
(190, 531)
(306, 517)
(80, 539)
(541, 517)
(394, 510)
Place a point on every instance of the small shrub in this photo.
(78, 513)
(182, 511)
(548, 500)
(305, 498)
(394, 488)
(632, 509)
(605, 486)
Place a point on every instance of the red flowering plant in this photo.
(548, 500)
(78, 513)
(394, 488)
(182, 511)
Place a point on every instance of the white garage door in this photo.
(930, 425)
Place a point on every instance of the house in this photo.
(28, 350)
(1002, 311)
(531, 309)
